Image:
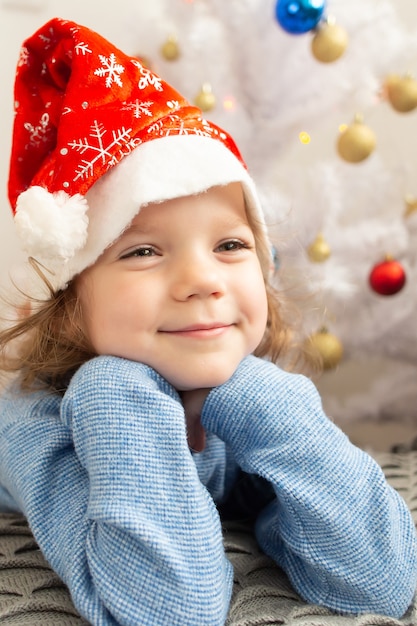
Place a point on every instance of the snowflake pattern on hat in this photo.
(81, 106)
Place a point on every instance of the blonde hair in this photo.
(281, 342)
(49, 344)
(46, 345)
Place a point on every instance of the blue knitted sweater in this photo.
(126, 514)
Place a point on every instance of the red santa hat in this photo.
(96, 136)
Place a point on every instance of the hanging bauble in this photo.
(319, 250)
(410, 206)
(326, 347)
(401, 92)
(329, 42)
(275, 260)
(205, 99)
(357, 142)
(144, 61)
(170, 49)
(388, 277)
(299, 16)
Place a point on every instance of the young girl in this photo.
(141, 394)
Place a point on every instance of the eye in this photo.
(231, 245)
(139, 251)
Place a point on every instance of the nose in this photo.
(197, 276)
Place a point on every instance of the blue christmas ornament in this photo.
(299, 16)
(275, 259)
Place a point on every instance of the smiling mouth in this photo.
(200, 331)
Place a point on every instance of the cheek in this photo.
(256, 301)
(260, 313)
(97, 310)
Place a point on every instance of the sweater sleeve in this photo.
(113, 497)
(344, 537)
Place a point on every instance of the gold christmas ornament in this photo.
(205, 99)
(357, 142)
(410, 206)
(170, 49)
(319, 250)
(329, 42)
(325, 346)
(401, 92)
(144, 61)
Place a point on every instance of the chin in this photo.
(206, 380)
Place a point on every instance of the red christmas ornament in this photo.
(387, 277)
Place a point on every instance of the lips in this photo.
(201, 330)
(209, 326)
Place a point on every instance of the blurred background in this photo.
(321, 98)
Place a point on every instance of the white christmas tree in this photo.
(287, 110)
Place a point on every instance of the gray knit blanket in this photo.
(31, 593)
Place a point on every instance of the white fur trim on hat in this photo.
(51, 225)
(157, 170)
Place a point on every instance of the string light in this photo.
(229, 103)
(304, 137)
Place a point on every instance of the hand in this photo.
(193, 401)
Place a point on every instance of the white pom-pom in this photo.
(51, 225)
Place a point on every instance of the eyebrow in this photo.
(134, 229)
(232, 222)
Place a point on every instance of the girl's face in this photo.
(181, 290)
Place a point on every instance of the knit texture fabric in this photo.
(122, 510)
(31, 593)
